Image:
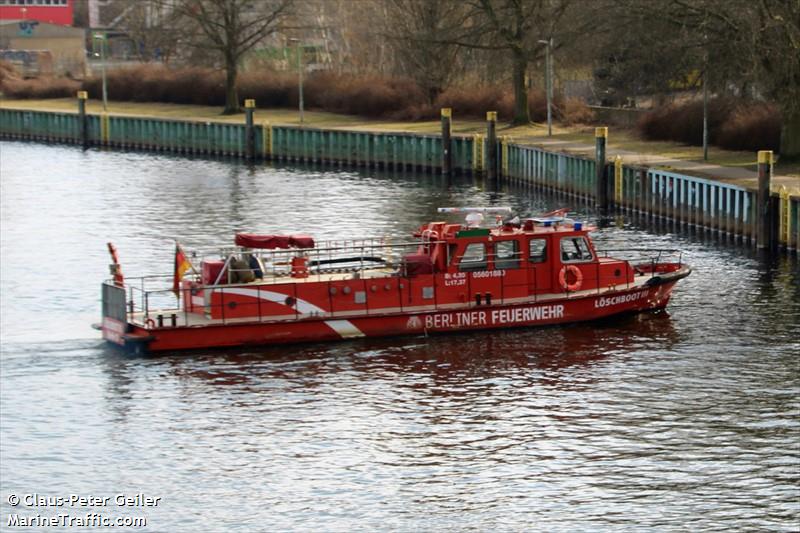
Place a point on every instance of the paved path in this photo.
(735, 175)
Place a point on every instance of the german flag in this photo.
(182, 264)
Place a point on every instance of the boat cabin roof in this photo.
(535, 226)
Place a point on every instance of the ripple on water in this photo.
(648, 422)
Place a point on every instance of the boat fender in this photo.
(576, 272)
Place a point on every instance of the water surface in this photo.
(671, 421)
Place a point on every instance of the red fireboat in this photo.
(451, 276)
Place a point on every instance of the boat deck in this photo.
(191, 319)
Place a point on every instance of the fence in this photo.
(395, 150)
(697, 202)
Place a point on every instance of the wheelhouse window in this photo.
(537, 251)
(474, 258)
(506, 255)
(575, 250)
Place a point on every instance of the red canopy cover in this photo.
(250, 240)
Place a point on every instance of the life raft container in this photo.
(577, 274)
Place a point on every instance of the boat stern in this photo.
(114, 326)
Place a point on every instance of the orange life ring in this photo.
(150, 323)
(562, 278)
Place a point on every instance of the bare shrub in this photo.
(7, 71)
(39, 88)
(732, 124)
(369, 96)
(754, 127)
(684, 122)
(474, 102)
(574, 111)
(366, 95)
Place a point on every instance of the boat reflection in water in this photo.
(441, 359)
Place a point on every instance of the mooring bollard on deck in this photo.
(83, 125)
(250, 132)
(764, 213)
(601, 194)
(491, 145)
(447, 147)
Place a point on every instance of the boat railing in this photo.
(326, 257)
(151, 298)
(651, 256)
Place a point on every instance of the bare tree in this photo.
(231, 28)
(150, 24)
(516, 27)
(751, 48)
(416, 28)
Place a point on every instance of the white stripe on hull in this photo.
(345, 328)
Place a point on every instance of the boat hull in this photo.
(544, 312)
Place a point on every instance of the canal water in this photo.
(686, 419)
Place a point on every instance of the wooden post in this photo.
(83, 125)
(447, 146)
(764, 214)
(491, 145)
(601, 194)
(250, 132)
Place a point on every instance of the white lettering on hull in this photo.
(496, 317)
(608, 301)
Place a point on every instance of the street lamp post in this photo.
(101, 37)
(299, 76)
(549, 75)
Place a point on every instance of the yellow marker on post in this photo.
(105, 128)
(477, 152)
(504, 140)
(266, 139)
(784, 220)
(618, 180)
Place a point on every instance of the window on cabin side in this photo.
(474, 258)
(538, 251)
(506, 255)
(575, 249)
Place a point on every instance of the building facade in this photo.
(59, 12)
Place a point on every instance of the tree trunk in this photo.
(231, 94)
(790, 138)
(522, 114)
